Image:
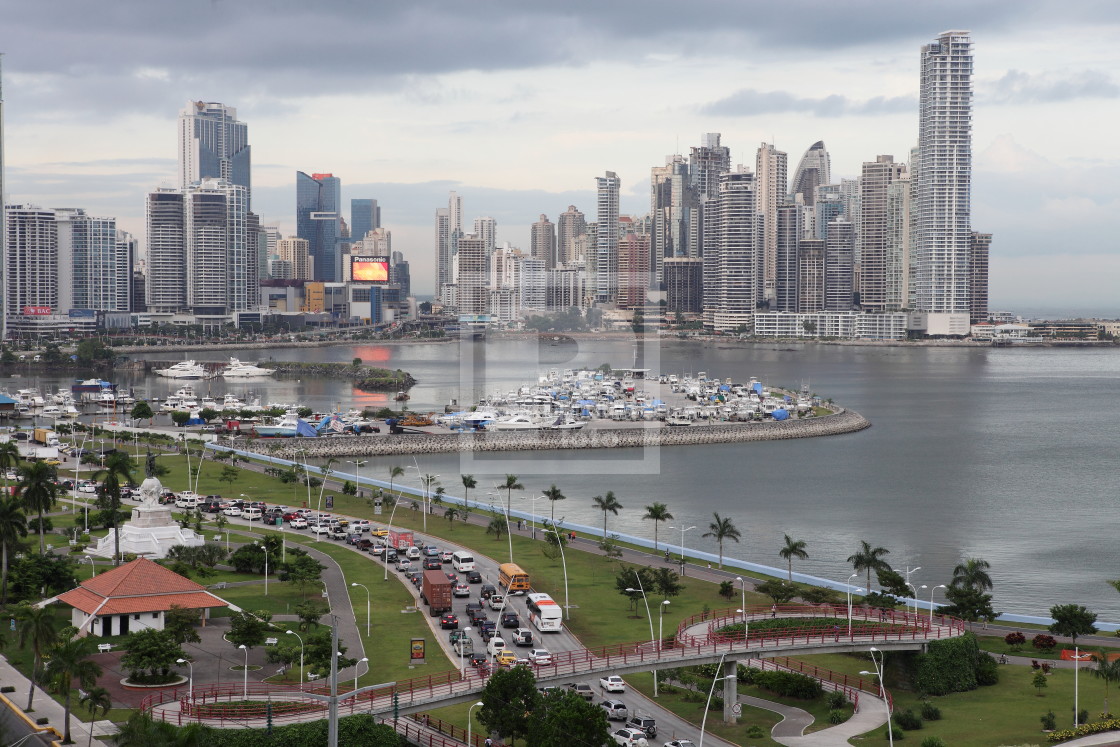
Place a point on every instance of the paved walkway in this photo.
(44, 706)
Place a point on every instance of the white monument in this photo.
(152, 531)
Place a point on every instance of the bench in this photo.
(312, 676)
(104, 648)
(270, 641)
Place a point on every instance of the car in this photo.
(449, 621)
(231, 511)
(474, 577)
(486, 591)
(209, 508)
(363, 544)
(461, 590)
(361, 525)
(414, 577)
(404, 564)
(540, 656)
(612, 684)
(496, 601)
(339, 533)
(457, 634)
(680, 743)
(413, 553)
(630, 738)
(505, 658)
(298, 523)
(583, 690)
(391, 556)
(615, 710)
(494, 645)
(291, 515)
(453, 579)
(344, 522)
(479, 659)
(87, 487)
(445, 556)
(476, 616)
(379, 532)
(510, 619)
(644, 724)
(487, 629)
(523, 637)
(431, 551)
(321, 529)
(432, 564)
(472, 606)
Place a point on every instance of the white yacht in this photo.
(238, 370)
(518, 422)
(183, 370)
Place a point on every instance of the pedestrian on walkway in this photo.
(773, 610)
(709, 566)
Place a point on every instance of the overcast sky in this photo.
(520, 105)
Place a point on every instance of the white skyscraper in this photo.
(3, 205)
(606, 250)
(94, 273)
(733, 254)
(770, 165)
(943, 179)
(31, 261)
(486, 228)
(213, 144)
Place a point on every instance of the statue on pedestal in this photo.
(151, 489)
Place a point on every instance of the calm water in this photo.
(998, 453)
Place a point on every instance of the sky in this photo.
(518, 106)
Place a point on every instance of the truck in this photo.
(435, 591)
(400, 540)
(45, 436)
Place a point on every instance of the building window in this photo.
(155, 615)
(136, 616)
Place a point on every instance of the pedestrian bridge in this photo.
(698, 640)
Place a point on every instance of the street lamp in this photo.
(683, 529)
(367, 605)
(190, 682)
(879, 667)
(92, 567)
(910, 570)
(297, 635)
(265, 550)
(462, 648)
(1077, 657)
(469, 722)
(744, 610)
(533, 510)
(388, 542)
(704, 721)
(849, 585)
(366, 660)
(660, 638)
(939, 586)
(564, 562)
(245, 671)
(358, 463)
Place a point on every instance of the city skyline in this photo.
(514, 138)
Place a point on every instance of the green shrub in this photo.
(933, 742)
(789, 684)
(1083, 716)
(745, 675)
(987, 671)
(716, 704)
(836, 700)
(838, 715)
(1049, 721)
(8, 689)
(948, 666)
(930, 712)
(755, 732)
(907, 720)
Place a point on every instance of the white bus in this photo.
(545, 613)
(463, 561)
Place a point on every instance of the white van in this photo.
(251, 514)
(463, 561)
(185, 500)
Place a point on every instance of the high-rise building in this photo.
(94, 268)
(943, 181)
(672, 202)
(542, 241)
(814, 170)
(569, 227)
(444, 276)
(606, 250)
(213, 144)
(810, 276)
(772, 183)
(472, 286)
(266, 248)
(733, 254)
(294, 252)
(3, 207)
(788, 258)
(706, 163)
(978, 272)
(365, 215)
(399, 274)
(684, 284)
(31, 260)
(486, 228)
(319, 222)
(875, 235)
(167, 262)
(897, 263)
(633, 270)
(839, 248)
(828, 206)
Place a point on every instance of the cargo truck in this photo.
(45, 436)
(435, 591)
(400, 540)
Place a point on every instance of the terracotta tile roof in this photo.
(90, 603)
(141, 576)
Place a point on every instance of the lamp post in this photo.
(462, 665)
(704, 721)
(1077, 656)
(297, 635)
(879, 666)
(385, 558)
(533, 509)
(190, 682)
(367, 604)
(265, 550)
(744, 610)
(469, 722)
(849, 585)
(683, 529)
(660, 638)
(910, 570)
(92, 567)
(939, 586)
(245, 672)
(366, 660)
(358, 463)
(564, 562)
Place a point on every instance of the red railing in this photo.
(415, 734)
(451, 730)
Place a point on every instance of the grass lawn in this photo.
(282, 598)
(996, 645)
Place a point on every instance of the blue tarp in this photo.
(757, 387)
(304, 429)
(725, 387)
(780, 415)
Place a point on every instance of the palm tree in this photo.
(468, 483)
(69, 662)
(657, 513)
(394, 472)
(1107, 670)
(118, 468)
(39, 492)
(38, 628)
(553, 494)
(13, 526)
(496, 527)
(869, 559)
(511, 484)
(96, 699)
(9, 460)
(973, 574)
(793, 549)
(722, 529)
(607, 504)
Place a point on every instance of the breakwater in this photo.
(843, 421)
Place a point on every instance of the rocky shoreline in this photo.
(844, 421)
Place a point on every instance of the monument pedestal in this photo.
(150, 533)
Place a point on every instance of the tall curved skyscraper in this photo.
(812, 172)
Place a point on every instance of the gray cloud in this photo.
(1016, 87)
(748, 102)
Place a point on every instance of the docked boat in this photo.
(515, 423)
(287, 427)
(238, 370)
(183, 370)
(51, 411)
(566, 424)
(678, 420)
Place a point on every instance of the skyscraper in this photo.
(897, 263)
(943, 234)
(839, 248)
(606, 250)
(788, 258)
(875, 235)
(706, 163)
(569, 227)
(684, 284)
(542, 241)
(814, 170)
(31, 260)
(672, 201)
(733, 254)
(293, 251)
(633, 270)
(3, 206)
(365, 215)
(94, 269)
(770, 167)
(319, 222)
(443, 253)
(486, 228)
(978, 276)
(167, 263)
(213, 144)
(473, 291)
(810, 276)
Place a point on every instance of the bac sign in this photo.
(36, 310)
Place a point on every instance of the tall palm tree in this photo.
(38, 629)
(657, 513)
(553, 494)
(1106, 670)
(722, 529)
(39, 492)
(973, 574)
(394, 472)
(793, 549)
(117, 471)
(607, 504)
(9, 460)
(70, 661)
(96, 699)
(869, 559)
(13, 526)
(468, 483)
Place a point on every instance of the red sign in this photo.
(36, 310)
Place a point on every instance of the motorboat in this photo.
(183, 370)
(515, 423)
(51, 411)
(566, 424)
(286, 427)
(238, 370)
(69, 411)
(678, 420)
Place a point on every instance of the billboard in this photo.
(83, 314)
(366, 269)
(36, 310)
